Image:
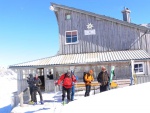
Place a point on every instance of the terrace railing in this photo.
(22, 95)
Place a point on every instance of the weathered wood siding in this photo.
(142, 42)
(109, 35)
(122, 70)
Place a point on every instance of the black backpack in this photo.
(84, 76)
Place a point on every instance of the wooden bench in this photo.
(81, 86)
(94, 86)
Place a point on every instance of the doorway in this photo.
(40, 72)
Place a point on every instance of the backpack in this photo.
(30, 81)
(84, 76)
(67, 81)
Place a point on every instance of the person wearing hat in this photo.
(88, 79)
(66, 80)
(30, 81)
(37, 84)
(103, 79)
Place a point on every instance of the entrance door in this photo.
(40, 72)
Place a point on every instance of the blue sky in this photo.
(29, 30)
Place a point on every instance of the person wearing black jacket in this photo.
(103, 79)
(37, 84)
(30, 81)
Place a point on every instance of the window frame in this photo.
(138, 67)
(71, 37)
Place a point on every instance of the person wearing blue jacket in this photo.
(73, 86)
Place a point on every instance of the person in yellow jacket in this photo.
(88, 79)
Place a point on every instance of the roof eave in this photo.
(74, 64)
(102, 17)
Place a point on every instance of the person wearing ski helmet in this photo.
(88, 79)
(66, 79)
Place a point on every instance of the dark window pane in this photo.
(141, 70)
(135, 65)
(136, 70)
(68, 36)
(68, 40)
(140, 65)
(74, 39)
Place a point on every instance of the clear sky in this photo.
(29, 30)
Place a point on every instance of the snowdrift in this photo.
(129, 99)
(8, 80)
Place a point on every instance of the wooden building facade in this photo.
(110, 34)
(88, 41)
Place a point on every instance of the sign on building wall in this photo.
(90, 31)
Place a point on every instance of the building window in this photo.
(40, 71)
(139, 68)
(71, 37)
(68, 16)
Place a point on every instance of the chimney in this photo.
(126, 14)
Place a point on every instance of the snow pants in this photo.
(104, 88)
(88, 89)
(64, 90)
(40, 94)
(72, 93)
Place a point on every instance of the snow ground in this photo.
(8, 80)
(52, 103)
(122, 100)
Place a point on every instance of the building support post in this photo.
(132, 72)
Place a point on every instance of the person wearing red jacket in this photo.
(67, 81)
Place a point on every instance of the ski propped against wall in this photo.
(112, 73)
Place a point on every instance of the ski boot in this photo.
(63, 103)
(31, 102)
(35, 103)
(42, 102)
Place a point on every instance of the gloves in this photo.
(56, 83)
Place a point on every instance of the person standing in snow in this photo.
(103, 78)
(88, 79)
(37, 84)
(73, 86)
(66, 80)
(30, 81)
